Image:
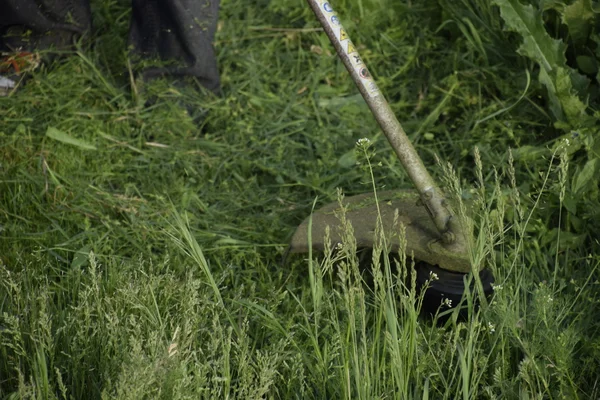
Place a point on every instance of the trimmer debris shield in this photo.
(397, 208)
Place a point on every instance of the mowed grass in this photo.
(151, 264)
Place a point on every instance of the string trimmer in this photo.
(435, 236)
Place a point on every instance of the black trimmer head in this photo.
(444, 290)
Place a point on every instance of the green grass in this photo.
(150, 266)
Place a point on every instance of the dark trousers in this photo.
(178, 30)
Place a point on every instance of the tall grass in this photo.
(138, 329)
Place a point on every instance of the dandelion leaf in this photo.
(579, 18)
(537, 44)
(549, 53)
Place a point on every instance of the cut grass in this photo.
(150, 267)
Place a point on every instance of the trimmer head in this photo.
(434, 235)
(401, 207)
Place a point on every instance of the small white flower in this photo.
(433, 276)
(497, 288)
(491, 327)
(363, 142)
(447, 302)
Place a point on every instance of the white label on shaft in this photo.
(366, 79)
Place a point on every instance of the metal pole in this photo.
(431, 195)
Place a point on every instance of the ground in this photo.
(144, 225)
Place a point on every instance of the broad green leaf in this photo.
(573, 107)
(570, 203)
(530, 153)
(549, 53)
(63, 137)
(579, 18)
(564, 104)
(587, 64)
(537, 44)
(555, 106)
(80, 259)
(586, 176)
(580, 82)
(563, 239)
(348, 160)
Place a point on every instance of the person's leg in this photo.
(177, 30)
